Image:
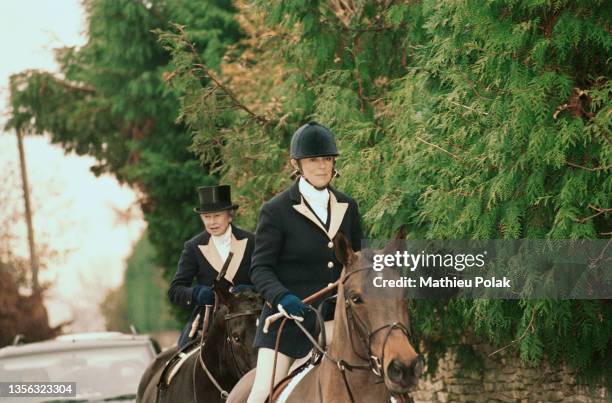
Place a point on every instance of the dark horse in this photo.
(370, 357)
(226, 354)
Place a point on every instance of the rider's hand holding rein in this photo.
(292, 307)
(203, 295)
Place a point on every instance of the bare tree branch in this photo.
(593, 169)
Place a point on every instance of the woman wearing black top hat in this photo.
(204, 255)
(294, 256)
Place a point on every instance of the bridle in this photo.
(358, 326)
(228, 338)
(227, 341)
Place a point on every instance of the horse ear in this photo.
(402, 231)
(398, 243)
(344, 251)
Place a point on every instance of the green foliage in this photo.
(110, 101)
(114, 311)
(147, 306)
(461, 119)
(141, 299)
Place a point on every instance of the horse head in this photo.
(237, 316)
(376, 318)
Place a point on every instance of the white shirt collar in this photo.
(317, 199)
(312, 194)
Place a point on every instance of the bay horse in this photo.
(227, 354)
(370, 358)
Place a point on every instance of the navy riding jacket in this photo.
(294, 254)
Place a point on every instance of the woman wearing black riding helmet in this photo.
(294, 256)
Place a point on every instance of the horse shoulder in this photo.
(308, 389)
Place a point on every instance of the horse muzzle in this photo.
(401, 377)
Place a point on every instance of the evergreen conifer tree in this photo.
(110, 101)
(460, 119)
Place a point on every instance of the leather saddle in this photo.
(175, 363)
(284, 383)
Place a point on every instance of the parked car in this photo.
(105, 366)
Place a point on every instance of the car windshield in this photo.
(99, 373)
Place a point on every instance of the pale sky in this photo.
(74, 212)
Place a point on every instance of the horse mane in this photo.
(249, 296)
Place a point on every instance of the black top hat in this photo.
(214, 198)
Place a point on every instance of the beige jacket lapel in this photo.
(337, 211)
(212, 255)
(237, 247)
(306, 212)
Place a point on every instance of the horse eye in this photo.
(356, 299)
(236, 338)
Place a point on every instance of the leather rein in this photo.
(357, 325)
(227, 340)
(228, 346)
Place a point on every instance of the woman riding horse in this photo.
(208, 373)
(221, 251)
(370, 358)
(294, 254)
